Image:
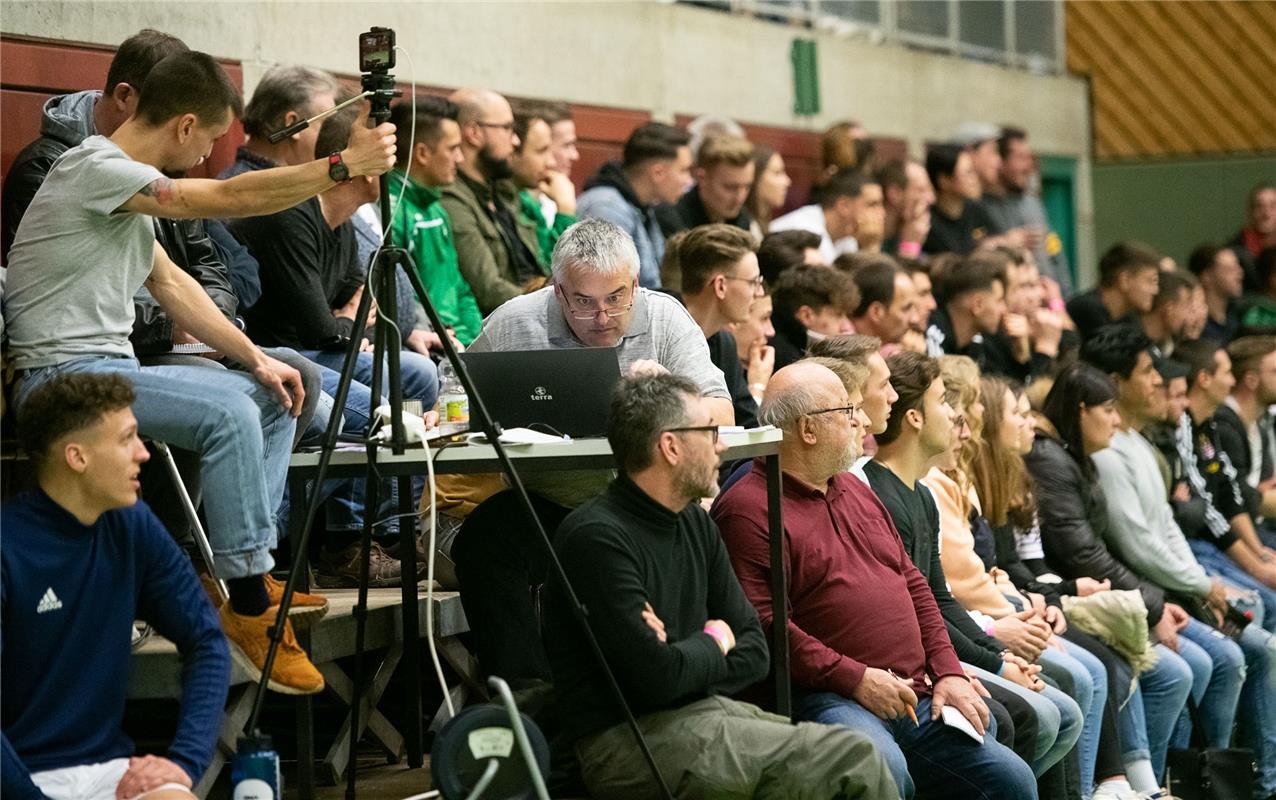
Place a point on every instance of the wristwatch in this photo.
(337, 169)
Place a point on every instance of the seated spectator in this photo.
(784, 249)
(958, 224)
(887, 306)
(655, 168)
(834, 213)
(562, 131)
(1258, 234)
(924, 303)
(724, 176)
(1078, 421)
(844, 145)
(878, 394)
(980, 140)
(496, 255)
(100, 199)
(1222, 278)
(1245, 425)
(757, 358)
(870, 227)
(284, 96)
(1129, 277)
(1259, 314)
(421, 225)
(720, 283)
(672, 621)
(78, 538)
(770, 190)
(705, 127)
(868, 644)
(1145, 536)
(1166, 324)
(536, 179)
(907, 196)
(809, 303)
(972, 305)
(1031, 336)
(920, 428)
(595, 301)
(1223, 537)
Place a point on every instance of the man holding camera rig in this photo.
(86, 245)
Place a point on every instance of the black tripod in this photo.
(378, 85)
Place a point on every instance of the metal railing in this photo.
(1025, 34)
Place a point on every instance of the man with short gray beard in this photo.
(867, 643)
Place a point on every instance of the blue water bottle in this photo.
(254, 772)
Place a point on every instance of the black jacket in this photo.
(1074, 524)
(689, 212)
(1234, 441)
(994, 353)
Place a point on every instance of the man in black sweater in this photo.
(649, 565)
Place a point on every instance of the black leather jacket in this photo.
(1074, 523)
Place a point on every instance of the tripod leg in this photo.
(373, 496)
(412, 723)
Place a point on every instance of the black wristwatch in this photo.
(337, 169)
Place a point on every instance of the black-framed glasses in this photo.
(756, 283)
(711, 429)
(846, 411)
(508, 127)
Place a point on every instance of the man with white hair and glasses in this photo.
(594, 301)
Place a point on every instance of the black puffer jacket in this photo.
(1074, 523)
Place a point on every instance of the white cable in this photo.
(429, 588)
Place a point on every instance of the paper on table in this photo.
(520, 436)
(955, 719)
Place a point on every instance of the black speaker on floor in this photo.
(480, 739)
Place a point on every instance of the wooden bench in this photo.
(156, 674)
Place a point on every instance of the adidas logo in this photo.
(49, 602)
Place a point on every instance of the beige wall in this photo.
(653, 55)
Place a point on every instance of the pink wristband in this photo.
(910, 249)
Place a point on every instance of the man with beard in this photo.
(867, 642)
(496, 254)
(648, 563)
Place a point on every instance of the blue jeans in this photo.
(1059, 719)
(1218, 563)
(1258, 703)
(242, 434)
(1091, 681)
(931, 759)
(1216, 697)
(1148, 718)
(419, 375)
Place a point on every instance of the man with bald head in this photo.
(867, 644)
(495, 252)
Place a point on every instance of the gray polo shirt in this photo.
(77, 260)
(660, 330)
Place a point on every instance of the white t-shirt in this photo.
(77, 260)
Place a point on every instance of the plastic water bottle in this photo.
(254, 772)
(454, 405)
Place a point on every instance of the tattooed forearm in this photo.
(162, 189)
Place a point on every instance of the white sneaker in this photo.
(1116, 790)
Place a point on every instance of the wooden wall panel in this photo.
(1177, 78)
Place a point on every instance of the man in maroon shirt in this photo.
(867, 643)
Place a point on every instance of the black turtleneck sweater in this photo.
(623, 549)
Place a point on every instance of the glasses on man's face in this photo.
(848, 411)
(756, 283)
(508, 127)
(711, 429)
(612, 305)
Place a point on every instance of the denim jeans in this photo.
(1059, 719)
(1218, 563)
(1148, 718)
(1091, 681)
(930, 759)
(1216, 697)
(419, 375)
(241, 432)
(1257, 712)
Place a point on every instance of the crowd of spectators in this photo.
(1041, 512)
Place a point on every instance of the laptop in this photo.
(553, 391)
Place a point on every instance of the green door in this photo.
(1058, 181)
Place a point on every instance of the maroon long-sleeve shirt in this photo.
(856, 599)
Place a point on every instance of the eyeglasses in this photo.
(847, 411)
(711, 429)
(612, 305)
(508, 127)
(757, 283)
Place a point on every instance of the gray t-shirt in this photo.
(77, 260)
(660, 330)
